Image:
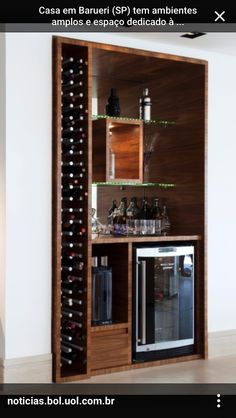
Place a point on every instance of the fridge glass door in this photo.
(165, 298)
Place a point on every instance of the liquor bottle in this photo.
(165, 220)
(119, 219)
(145, 105)
(145, 210)
(132, 210)
(111, 212)
(113, 105)
(156, 216)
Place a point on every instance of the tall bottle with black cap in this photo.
(145, 105)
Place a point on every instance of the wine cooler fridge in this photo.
(163, 309)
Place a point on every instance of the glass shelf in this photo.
(160, 122)
(134, 184)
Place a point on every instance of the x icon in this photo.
(219, 16)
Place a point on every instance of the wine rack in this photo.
(70, 209)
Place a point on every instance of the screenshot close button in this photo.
(219, 16)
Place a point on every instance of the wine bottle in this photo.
(66, 349)
(72, 62)
(71, 85)
(66, 337)
(71, 301)
(66, 314)
(145, 210)
(66, 361)
(73, 335)
(71, 244)
(71, 97)
(72, 254)
(71, 123)
(71, 210)
(74, 76)
(75, 346)
(72, 287)
(72, 153)
(71, 279)
(66, 291)
(73, 312)
(70, 130)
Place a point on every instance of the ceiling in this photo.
(224, 43)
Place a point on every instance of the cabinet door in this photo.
(117, 150)
(110, 348)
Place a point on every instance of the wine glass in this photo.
(149, 146)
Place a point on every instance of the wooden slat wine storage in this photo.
(70, 208)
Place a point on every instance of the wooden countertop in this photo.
(109, 239)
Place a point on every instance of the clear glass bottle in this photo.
(119, 218)
(97, 296)
(165, 221)
(156, 216)
(106, 291)
(145, 105)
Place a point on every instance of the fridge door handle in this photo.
(143, 302)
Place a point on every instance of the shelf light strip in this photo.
(111, 183)
(160, 122)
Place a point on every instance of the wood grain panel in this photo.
(109, 349)
(123, 139)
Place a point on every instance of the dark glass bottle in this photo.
(155, 210)
(113, 105)
(145, 212)
(111, 212)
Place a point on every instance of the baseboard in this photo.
(222, 343)
(35, 369)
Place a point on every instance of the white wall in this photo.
(28, 204)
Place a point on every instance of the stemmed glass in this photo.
(149, 146)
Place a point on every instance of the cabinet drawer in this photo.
(109, 348)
